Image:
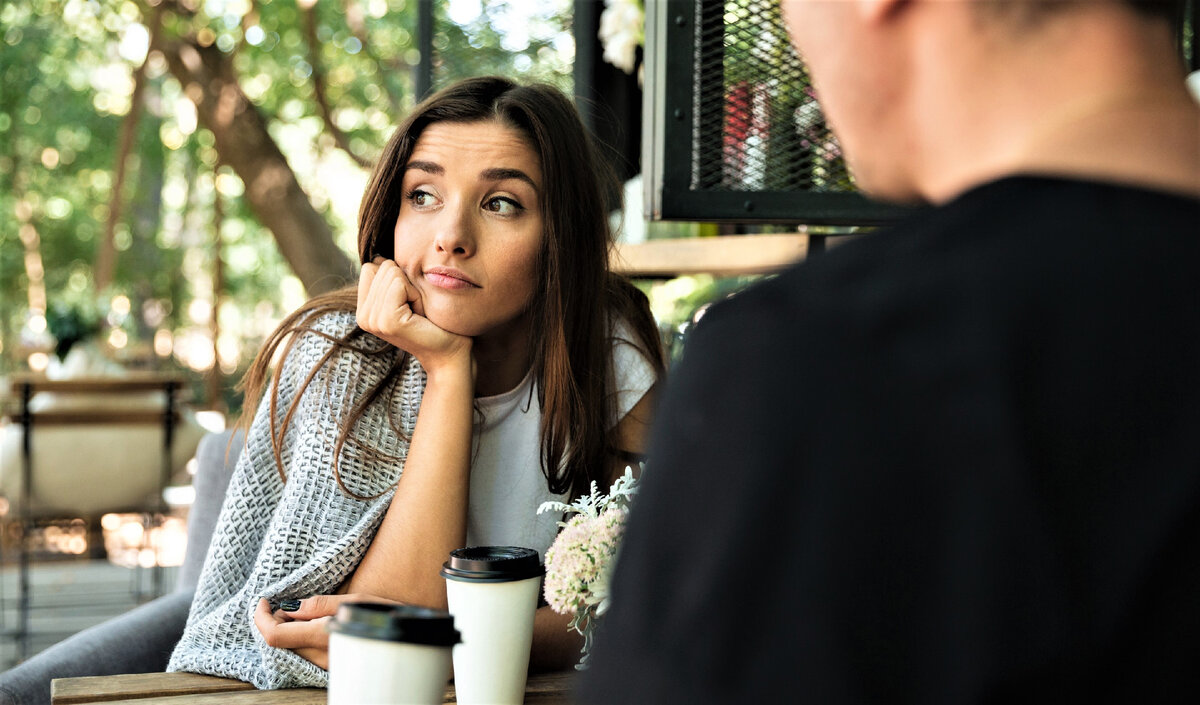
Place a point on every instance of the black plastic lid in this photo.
(411, 625)
(492, 564)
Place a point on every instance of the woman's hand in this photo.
(303, 630)
(389, 307)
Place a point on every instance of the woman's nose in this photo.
(457, 232)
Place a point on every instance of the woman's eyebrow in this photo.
(427, 167)
(502, 173)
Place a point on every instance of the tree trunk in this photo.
(243, 143)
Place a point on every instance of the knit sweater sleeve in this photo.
(281, 539)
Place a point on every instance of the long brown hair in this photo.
(573, 311)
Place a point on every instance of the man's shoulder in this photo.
(1010, 245)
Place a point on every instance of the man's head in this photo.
(905, 83)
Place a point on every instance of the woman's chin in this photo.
(447, 321)
(451, 319)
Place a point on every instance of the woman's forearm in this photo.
(428, 515)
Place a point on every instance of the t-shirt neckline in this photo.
(504, 398)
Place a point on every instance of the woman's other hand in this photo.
(389, 307)
(304, 629)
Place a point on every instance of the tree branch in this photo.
(318, 81)
(358, 27)
(243, 143)
(106, 251)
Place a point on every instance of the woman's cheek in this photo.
(447, 317)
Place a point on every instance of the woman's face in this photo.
(470, 226)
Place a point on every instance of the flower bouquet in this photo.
(580, 561)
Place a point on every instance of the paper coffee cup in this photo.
(389, 654)
(492, 591)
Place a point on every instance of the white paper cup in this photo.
(389, 654)
(492, 592)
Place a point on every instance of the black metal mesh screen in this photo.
(754, 107)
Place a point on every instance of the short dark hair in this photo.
(1028, 13)
(1170, 10)
(1030, 10)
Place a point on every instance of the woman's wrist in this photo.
(456, 367)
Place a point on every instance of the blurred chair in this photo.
(141, 640)
(86, 447)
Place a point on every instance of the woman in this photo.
(487, 361)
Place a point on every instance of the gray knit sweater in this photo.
(282, 540)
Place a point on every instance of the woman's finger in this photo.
(365, 277)
(391, 308)
(299, 634)
(395, 299)
(368, 295)
(326, 605)
(390, 303)
(265, 620)
(387, 293)
(412, 295)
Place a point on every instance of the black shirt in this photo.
(957, 461)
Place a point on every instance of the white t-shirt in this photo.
(507, 484)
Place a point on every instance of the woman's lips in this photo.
(447, 278)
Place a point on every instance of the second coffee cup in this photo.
(492, 592)
(389, 654)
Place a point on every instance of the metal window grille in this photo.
(733, 130)
(755, 107)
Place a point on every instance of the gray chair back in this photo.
(216, 458)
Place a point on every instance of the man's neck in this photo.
(1112, 108)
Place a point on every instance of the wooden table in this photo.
(194, 689)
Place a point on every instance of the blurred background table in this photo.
(195, 689)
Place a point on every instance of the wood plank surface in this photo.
(288, 696)
(540, 688)
(727, 255)
(133, 382)
(550, 688)
(99, 417)
(100, 689)
(195, 689)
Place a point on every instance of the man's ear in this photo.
(875, 11)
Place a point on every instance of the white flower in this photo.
(579, 563)
(621, 32)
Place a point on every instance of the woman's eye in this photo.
(503, 206)
(420, 198)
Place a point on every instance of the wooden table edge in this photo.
(138, 686)
(192, 688)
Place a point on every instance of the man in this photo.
(957, 461)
